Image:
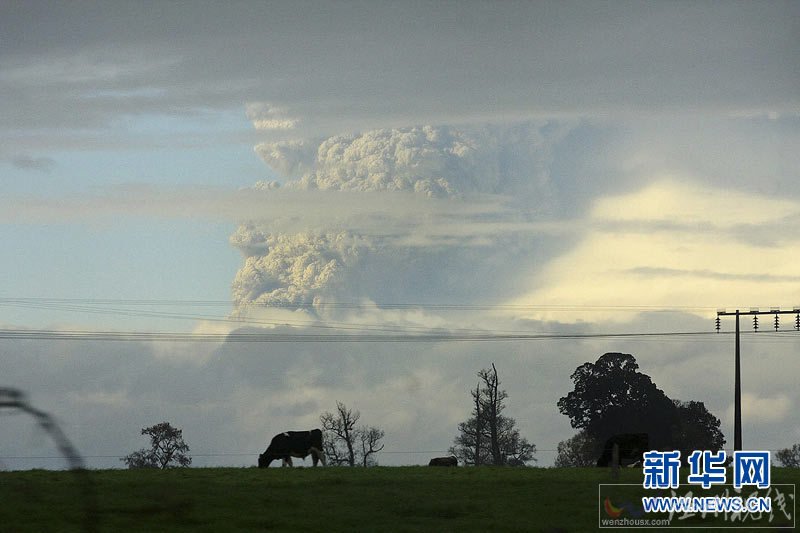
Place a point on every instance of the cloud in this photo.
(294, 269)
(27, 162)
(233, 397)
(682, 202)
(650, 272)
(288, 158)
(684, 239)
(461, 173)
(670, 228)
(267, 117)
(437, 161)
(328, 69)
(391, 214)
(733, 156)
(395, 214)
(86, 67)
(759, 410)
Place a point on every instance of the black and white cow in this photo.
(444, 461)
(290, 444)
(631, 448)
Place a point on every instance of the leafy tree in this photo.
(488, 436)
(611, 396)
(167, 449)
(141, 459)
(579, 450)
(789, 457)
(696, 429)
(348, 444)
(514, 449)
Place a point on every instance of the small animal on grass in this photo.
(444, 461)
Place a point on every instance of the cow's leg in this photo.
(287, 460)
(319, 455)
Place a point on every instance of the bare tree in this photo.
(339, 431)
(167, 449)
(492, 407)
(479, 423)
(370, 440)
(346, 444)
(488, 436)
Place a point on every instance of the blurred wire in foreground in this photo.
(15, 399)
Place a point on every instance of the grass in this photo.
(312, 499)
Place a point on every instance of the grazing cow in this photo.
(444, 461)
(293, 444)
(631, 448)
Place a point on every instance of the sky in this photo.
(570, 169)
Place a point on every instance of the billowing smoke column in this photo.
(430, 161)
(298, 269)
(435, 161)
(290, 270)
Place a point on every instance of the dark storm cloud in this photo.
(354, 65)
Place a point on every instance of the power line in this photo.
(261, 337)
(388, 333)
(737, 401)
(237, 320)
(134, 308)
(322, 305)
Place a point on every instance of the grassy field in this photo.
(306, 499)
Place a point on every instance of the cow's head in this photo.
(265, 459)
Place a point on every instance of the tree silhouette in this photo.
(488, 436)
(167, 449)
(696, 429)
(346, 444)
(579, 450)
(612, 397)
(369, 439)
(789, 457)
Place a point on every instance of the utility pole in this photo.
(737, 380)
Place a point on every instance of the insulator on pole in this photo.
(776, 322)
(718, 324)
(797, 322)
(755, 322)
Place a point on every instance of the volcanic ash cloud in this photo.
(291, 270)
(444, 163)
